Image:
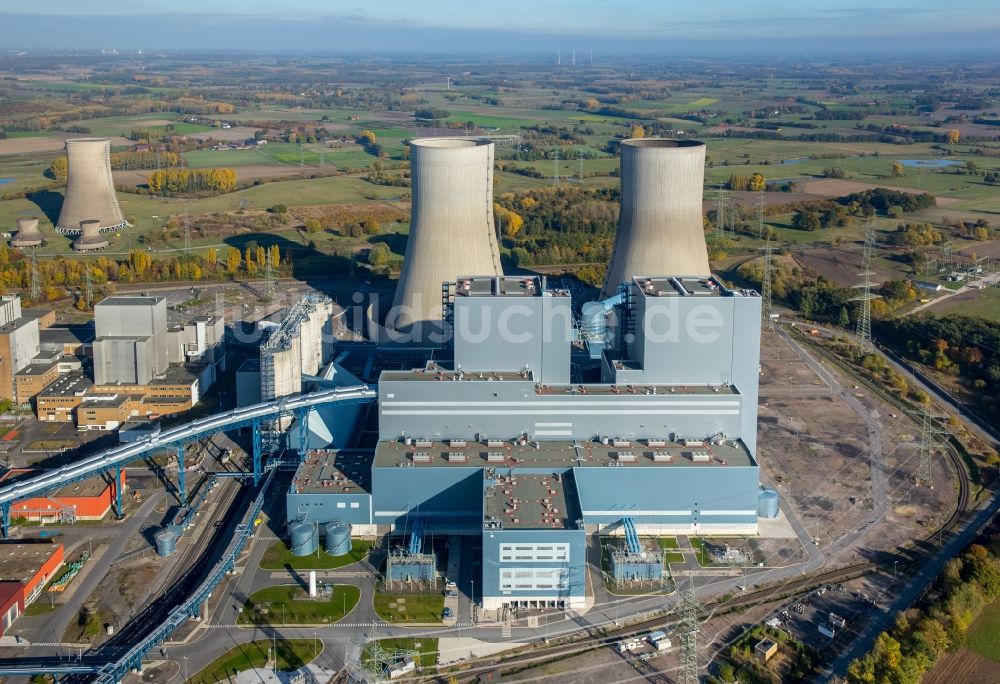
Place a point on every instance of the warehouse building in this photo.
(29, 566)
(90, 499)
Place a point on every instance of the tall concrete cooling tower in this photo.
(451, 228)
(90, 190)
(660, 229)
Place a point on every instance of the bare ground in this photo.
(49, 143)
(840, 265)
(836, 187)
(963, 666)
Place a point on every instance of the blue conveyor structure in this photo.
(112, 459)
(631, 537)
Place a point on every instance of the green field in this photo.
(289, 604)
(983, 636)
(409, 608)
(985, 304)
(278, 557)
(292, 654)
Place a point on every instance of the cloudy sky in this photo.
(666, 26)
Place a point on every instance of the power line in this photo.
(36, 279)
(720, 212)
(930, 430)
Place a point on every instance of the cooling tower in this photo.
(28, 234)
(90, 237)
(660, 229)
(451, 228)
(90, 190)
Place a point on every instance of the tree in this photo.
(313, 226)
(367, 137)
(757, 182)
(379, 254)
(898, 170)
(954, 135)
(232, 260)
(278, 209)
(637, 132)
(212, 258)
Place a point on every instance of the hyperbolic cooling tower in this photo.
(660, 229)
(90, 189)
(90, 237)
(451, 227)
(28, 234)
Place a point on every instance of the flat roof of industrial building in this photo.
(437, 373)
(77, 334)
(69, 385)
(38, 366)
(104, 400)
(521, 501)
(334, 471)
(125, 300)
(16, 324)
(686, 286)
(503, 286)
(563, 454)
(21, 562)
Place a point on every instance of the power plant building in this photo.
(514, 443)
(451, 230)
(131, 344)
(90, 188)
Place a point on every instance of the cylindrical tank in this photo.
(593, 321)
(90, 189)
(166, 542)
(660, 228)
(305, 538)
(28, 234)
(338, 538)
(90, 237)
(767, 504)
(451, 229)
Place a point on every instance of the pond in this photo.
(4, 181)
(930, 163)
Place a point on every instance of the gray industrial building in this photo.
(131, 344)
(638, 419)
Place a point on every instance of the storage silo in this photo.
(767, 504)
(90, 237)
(166, 542)
(338, 538)
(90, 188)
(28, 234)
(305, 538)
(451, 229)
(660, 227)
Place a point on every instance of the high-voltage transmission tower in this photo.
(89, 292)
(864, 322)
(187, 232)
(930, 430)
(760, 214)
(766, 308)
(268, 274)
(374, 662)
(36, 278)
(720, 214)
(688, 632)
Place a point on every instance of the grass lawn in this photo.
(278, 556)
(426, 646)
(292, 655)
(982, 636)
(403, 608)
(289, 604)
(986, 304)
(40, 607)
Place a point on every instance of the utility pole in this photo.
(688, 633)
(90, 286)
(187, 231)
(864, 323)
(302, 158)
(555, 169)
(269, 275)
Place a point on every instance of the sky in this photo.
(540, 26)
